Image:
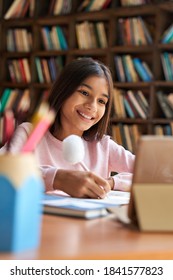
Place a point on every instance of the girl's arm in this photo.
(122, 162)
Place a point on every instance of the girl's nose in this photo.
(91, 105)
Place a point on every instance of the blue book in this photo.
(141, 70)
(119, 68)
(4, 99)
(167, 129)
(167, 35)
(126, 69)
(39, 70)
(62, 39)
(47, 38)
(52, 68)
(128, 108)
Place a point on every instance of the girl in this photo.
(81, 97)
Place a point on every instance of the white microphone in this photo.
(73, 150)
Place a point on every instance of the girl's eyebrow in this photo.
(88, 86)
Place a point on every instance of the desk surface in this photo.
(103, 238)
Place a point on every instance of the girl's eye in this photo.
(83, 92)
(102, 101)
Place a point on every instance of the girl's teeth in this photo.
(87, 117)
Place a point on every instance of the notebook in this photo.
(59, 203)
(68, 207)
(151, 200)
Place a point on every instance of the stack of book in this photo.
(133, 31)
(130, 69)
(48, 68)
(54, 38)
(95, 35)
(126, 135)
(19, 70)
(19, 40)
(132, 104)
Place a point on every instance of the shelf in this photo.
(158, 17)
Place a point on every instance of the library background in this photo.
(134, 38)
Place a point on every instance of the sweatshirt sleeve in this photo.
(48, 175)
(123, 181)
(122, 162)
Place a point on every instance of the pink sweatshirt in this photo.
(101, 157)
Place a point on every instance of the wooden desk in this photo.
(103, 238)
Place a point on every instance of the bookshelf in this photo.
(49, 60)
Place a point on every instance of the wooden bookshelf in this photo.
(158, 17)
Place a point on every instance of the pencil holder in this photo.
(21, 190)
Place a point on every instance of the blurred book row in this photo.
(128, 135)
(132, 69)
(132, 31)
(23, 8)
(47, 69)
(136, 104)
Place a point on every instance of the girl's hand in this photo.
(81, 184)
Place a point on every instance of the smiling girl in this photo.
(81, 97)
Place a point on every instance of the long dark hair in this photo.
(70, 78)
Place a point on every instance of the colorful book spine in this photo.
(141, 70)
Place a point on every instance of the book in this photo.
(62, 38)
(162, 100)
(166, 63)
(128, 108)
(59, 203)
(146, 31)
(14, 7)
(39, 70)
(12, 97)
(170, 98)
(130, 65)
(141, 103)
(100, 29)
(167, 35)
(141, 70)
(119, 68)
(55, 39)
(126, 69)
(116, 134)
(4, 99)
(119, 109)
(60, 206)
(128, 137)
(137, 106)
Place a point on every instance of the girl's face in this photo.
(84, 108)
